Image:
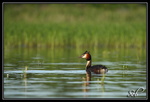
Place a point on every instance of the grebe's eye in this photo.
(84, 55)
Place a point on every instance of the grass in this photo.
(75, 25)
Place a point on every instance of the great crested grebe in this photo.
(97, 69)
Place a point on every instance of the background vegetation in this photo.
(75, 25)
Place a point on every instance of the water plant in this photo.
(75, 25)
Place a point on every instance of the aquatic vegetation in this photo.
(75, 25)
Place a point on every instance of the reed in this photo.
(75, 25)
(25, 72)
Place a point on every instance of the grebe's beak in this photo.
(80, 56)
(83, 56)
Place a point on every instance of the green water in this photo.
(59, 73)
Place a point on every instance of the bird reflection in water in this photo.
(87, 83)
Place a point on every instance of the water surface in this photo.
(59, 73)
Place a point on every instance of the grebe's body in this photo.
(97, 69)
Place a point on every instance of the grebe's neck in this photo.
(89, 63)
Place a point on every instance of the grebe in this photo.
(97, 69)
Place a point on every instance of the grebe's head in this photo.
(86, 55)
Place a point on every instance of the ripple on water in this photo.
(48, 71)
